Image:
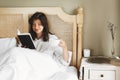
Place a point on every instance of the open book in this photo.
(26, 40)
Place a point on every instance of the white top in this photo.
(52, 48)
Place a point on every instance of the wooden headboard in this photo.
(65, 26)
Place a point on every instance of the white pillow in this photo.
(7, 43)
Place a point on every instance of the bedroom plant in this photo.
(112, 27)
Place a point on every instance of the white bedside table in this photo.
(94, 71)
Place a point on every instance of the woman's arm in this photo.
(65, 50)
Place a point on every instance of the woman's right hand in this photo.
(23, 46)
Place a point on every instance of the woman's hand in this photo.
(23, 46)
(62, 44)
(65, 50)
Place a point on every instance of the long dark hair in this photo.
(42, 17)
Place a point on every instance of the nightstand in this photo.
(95, 71)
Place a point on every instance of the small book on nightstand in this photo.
(26, 40)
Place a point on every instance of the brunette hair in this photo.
(42, 17)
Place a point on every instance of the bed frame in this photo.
(65, 26)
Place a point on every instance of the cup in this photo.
(55, 42)
(86, 53)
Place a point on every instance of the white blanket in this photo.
(26, 64)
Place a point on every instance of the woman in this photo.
(44, 40)
(38, 65)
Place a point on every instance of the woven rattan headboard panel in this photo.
(65, 26)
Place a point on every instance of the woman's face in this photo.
(37, 26)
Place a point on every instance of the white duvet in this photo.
(25, 64)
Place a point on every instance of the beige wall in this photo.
(68, 6)
(96, 35)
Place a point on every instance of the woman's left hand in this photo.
(65, 51)
(63, 44)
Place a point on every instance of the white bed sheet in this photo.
(25, 64)
(69, 73)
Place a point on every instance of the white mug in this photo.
(86, 53)
(55, 42)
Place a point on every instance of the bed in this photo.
(65, 26)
